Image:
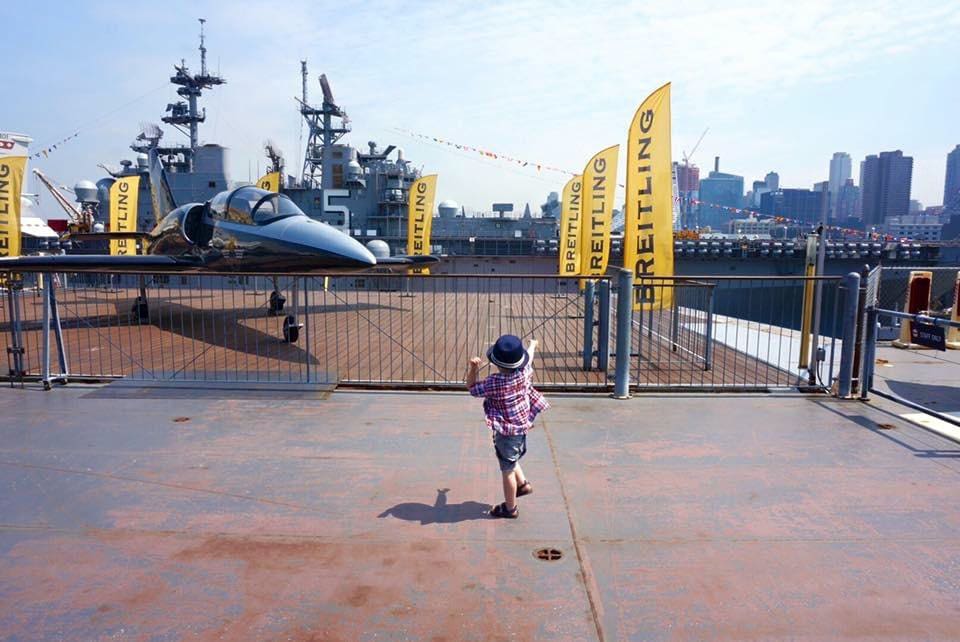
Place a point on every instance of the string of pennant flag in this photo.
(46, 151)
(538, 165)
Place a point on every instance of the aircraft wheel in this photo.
(291, 329)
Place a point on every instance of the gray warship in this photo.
(363, 192)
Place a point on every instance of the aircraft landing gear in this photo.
(291, 329)
(140, 310)
(275, 305)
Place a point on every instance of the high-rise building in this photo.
(718, 193)
(688, 190)
(848, 200)
(839, 173)
(759, 189)
(823, 189)
(951, 184)
(885, 184)
(772, 179)
(799, 205)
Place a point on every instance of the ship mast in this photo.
(324, 132)
(186, 116)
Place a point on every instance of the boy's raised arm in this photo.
(473, 372)
(531, 349)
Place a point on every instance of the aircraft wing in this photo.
(407, 260)
(98, 263)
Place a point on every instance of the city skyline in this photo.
(771, 97)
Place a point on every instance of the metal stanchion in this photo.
(869, 354)
(708, 332)
(15, 350)
(603, 327)
(675, 320)
(588, 325)
(624, 332)
(851, 285)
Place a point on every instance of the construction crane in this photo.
(81, 221)
(687, 157)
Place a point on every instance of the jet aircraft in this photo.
(245, 229)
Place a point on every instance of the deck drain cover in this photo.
(180, 420)
(548, 554)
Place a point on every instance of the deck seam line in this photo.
(586, 574)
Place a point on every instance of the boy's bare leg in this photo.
(510, 489)
(519, 476)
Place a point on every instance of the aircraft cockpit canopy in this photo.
(250, 205)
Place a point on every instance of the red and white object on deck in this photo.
(918, 300)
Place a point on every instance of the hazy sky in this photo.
(781, 86)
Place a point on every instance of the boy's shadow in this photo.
(440, 513)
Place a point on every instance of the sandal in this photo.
(501, 510)
(524, 489)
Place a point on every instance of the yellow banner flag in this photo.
(570, 218)
(599, 183)
(11, 186)
(123, 214)
(420, 218)
(270, 182)
(648, 220)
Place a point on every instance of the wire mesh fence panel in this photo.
(729, 333)
(189, 328)
(391, 330)
(895, 283)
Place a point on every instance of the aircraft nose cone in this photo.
(344, 250)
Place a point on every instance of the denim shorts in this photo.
(509, 449)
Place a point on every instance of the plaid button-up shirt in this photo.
(510, 401)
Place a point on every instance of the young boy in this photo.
(510, 403)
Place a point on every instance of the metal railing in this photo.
(388, 330)
(893, 287)
(738, 333)
(872, 324)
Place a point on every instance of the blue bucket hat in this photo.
(508, 352)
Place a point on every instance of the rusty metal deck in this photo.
(360, 516)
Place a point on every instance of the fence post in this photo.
(851, 286)
(869, 354)
(861, 308)
(16, 349)
(675, 318)
(45, 365)
(58, 330)
(708, 331)
(624, 332)
(588, 325)
(603, 328)
(307, 282)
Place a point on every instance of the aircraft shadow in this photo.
(440, 513)
(220, 328)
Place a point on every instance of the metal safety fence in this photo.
(388, 330)
(739, 333)
(894, 285)
(922, 379)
